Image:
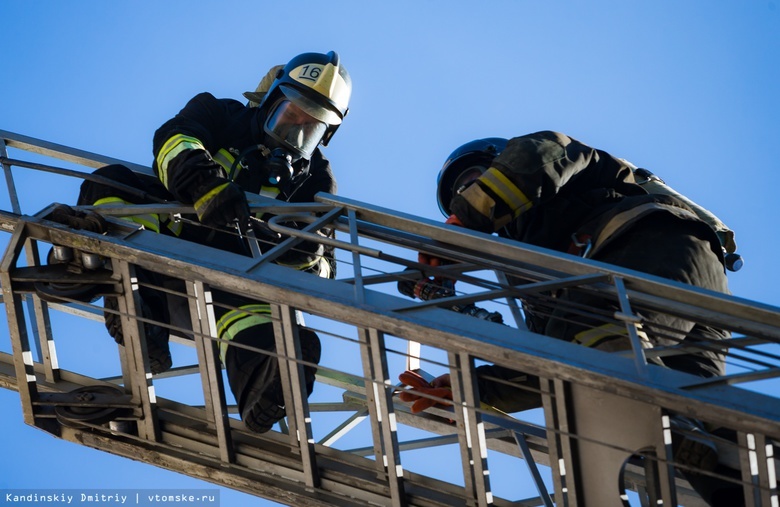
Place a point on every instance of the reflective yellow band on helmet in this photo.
(149, 221)
(235, 321)
(507, 191)
(226, 159)
(208, 196)
(172, 147)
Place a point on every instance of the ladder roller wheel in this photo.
(76, 417)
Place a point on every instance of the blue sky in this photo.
(687, 89)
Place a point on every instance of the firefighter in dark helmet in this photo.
(550, 190)
(210, 154)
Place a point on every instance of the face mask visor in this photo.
(294, 129)
(466, 178)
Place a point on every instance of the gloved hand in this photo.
(220, 203)
(432, 260)
(439, 387)
(427, 289)
(454, 220)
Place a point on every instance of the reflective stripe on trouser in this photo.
(235, 321)
(150, 221)
(610, 338)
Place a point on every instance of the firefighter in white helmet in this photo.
(209, 155)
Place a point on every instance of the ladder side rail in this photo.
(40, 321)
(471, 434)
(463, 244)
(401, 221)
(291, 370)
(137, 362)
(13, 196)
(204, 334)
(385, 413)
(24, 367)
(66, 153)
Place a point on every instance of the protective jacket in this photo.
(550, 190)
(213, 141)
(209, 145)
(545, 187)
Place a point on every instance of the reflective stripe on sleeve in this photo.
(266, 191)
(172, 147)
(225, 159)
(235, 321)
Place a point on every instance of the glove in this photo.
(439, 387)
(222, 203)
(454, 220)
(432, 260)
(427, 289)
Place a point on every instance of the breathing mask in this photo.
(279, 166)
(294, 129)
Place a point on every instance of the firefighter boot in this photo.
(265, 406)
(157, 347)
(691, 446)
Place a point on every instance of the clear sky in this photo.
(687, 89)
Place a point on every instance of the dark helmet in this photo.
(463, 166)
(306, 102)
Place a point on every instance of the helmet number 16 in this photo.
(311, 72)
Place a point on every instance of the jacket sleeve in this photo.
(183, 145)
(531, 170)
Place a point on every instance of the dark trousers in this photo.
(659, 245)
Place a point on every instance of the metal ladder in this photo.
(604, 434)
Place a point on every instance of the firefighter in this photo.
(550, 190)
(209, 155)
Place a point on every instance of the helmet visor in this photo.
(299, 131)
(452, 182)
(317, 109)
(466, 178)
